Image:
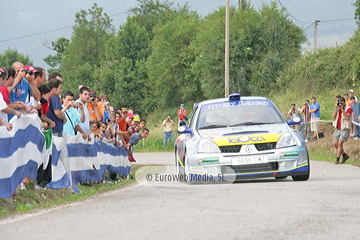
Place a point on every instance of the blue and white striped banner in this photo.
(88, 160)
(22, 150)
(74, 160)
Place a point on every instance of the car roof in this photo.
(218, 100)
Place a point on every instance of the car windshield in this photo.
(238, 113)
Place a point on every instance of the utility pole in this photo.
(227, 23)
(315, 34)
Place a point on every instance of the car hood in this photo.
(243, 134)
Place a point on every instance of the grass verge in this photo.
(34, 198)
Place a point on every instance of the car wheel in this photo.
(305, 176)
(177, 165)
(186, 172)
(301, 177)
(283, 177)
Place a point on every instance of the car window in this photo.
(191, 118)
(238, 113)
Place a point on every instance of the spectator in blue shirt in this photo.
(356, 110)
(315, 117)
(55, 114)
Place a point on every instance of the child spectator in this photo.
(95, 128)
(45, 95)
(55, 114)
(142, 124)
(102, 130)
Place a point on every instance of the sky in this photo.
(28, 25)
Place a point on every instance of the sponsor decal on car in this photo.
(213, 106)
(208, 160)
(247, 139)
(291, 154)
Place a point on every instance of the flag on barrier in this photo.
(22, 151)
(73, 159)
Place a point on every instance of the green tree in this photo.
(59, 46)
(357, 12)
(10, 56)
(126, 55)
(169, 66)
(86, 49)
(122, 71)
(149, 13)
(261, 44)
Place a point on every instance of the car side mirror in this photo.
(185, 129)
(294, 121)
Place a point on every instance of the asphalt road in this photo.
(327, 206)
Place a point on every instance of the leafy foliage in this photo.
(165, 55)
(169, 65)
(357, 12)
(10, 56)
(59, 46)
(87, 47)
(261, 44)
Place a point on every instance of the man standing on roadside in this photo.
(306, 124)
(182, 115)
(351, 94)
(342, 125)
(315, 117)
(356, 110)
(84, 97)
(294, 112)
(168, 125)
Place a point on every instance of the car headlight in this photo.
(286, 140)
(208, 146)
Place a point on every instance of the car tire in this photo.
(177, 165)
(186, 172)
(283, 177)
(305, 176)
(301, 177)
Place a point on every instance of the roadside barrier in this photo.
(73, 159)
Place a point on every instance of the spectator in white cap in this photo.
(351, 94)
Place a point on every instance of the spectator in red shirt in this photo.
(6, 86)
(182, 115)
(45, 96)
(342, 125)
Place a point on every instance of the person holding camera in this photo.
(182, 115)
(24, 87)
(294, 112)
(71, 127)
(168, 125)
(341, 114)
(93, 108)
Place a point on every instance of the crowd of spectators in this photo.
(25, 89)
(346, 122)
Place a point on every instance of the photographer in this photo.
(168, 125)
(93, 108)
(294, 112)
(307, 117)
(24, 87)
(72, 115)
(341, 114)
